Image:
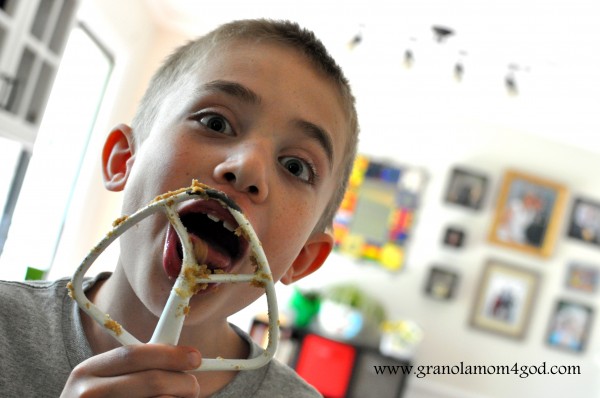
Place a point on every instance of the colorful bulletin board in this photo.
(377, 215)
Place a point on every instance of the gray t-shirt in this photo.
(42, 340)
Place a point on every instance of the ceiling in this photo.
(555, 41)
(529, 31)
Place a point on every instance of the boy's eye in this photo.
(299, 168)
(216, 123)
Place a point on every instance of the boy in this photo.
(256, 109)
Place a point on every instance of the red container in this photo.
(326, 364)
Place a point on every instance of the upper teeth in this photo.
(228, 226)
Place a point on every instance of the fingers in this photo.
(145, 370)
(136, 358)
(150, 383)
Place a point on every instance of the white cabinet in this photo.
(33, 34)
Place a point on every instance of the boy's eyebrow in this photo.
(234, 89)
(319, 134)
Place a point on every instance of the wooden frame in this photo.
(454, 237)
(466, 188)
(441, 283)
(528, 214)
(504, 300)
(582, 277)
(569, 326)
(584, 223)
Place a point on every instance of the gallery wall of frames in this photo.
(376, 220)
(526, 218)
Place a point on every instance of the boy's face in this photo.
(259, 123)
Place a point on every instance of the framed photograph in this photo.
(570, 326)
(582, 277)
(441, 283)
(584, 224)
(504, 300)
(466, 188)
(528, 214)
(454, 237)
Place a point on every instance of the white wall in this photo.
(424, 118)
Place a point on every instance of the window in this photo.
(14, 160)
(42, 205)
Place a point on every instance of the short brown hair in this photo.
(186, 58)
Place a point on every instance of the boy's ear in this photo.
(117, 157)
(311, 257)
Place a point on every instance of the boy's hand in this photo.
(145, 370)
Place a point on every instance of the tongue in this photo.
(200, 249)
(203, 253)
(209, 255)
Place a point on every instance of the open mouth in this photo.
(211, 227)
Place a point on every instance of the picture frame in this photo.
(582, 277)
(454, 237)
(569, 326)
(375, 221)
(466, 188)
(441, 283)
(505, 299)
(584, 221)
(528, 213)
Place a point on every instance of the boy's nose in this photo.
(245, 172)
